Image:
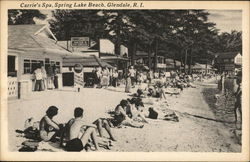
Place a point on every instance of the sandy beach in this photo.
(190, 134)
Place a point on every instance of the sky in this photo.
(225, 20)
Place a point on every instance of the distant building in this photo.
(107, 53)
(29, 46)
(228, 61)
(171, 65)
(141, 58)
(83, 57)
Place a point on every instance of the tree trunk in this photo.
(149, 59)
(133, 53)
(190, 63)
(117, 48)
(156, 55)
(174, 63)
(185, 61)
(206, 68)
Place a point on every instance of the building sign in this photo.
(80, 41)
(78, 68)
(106, 46)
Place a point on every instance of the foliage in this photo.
(184, 35)
(16, 17)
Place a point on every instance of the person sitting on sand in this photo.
(137, 109)
(123, 115)
(48, 128)
(80, 133)
(103, 123)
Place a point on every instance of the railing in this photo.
(12, 87)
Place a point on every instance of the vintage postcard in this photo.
(125, 80)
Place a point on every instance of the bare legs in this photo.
(104, 124)
(90, 132)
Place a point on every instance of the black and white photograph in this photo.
(124, 80)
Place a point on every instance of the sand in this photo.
(190, 134)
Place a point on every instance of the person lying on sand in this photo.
(80, 133)
(49, 129)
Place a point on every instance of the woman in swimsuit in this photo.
(49, 128)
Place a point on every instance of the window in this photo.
(47, 64)
(58, 67)
(12, 66)
(27, 67)
(226, 60)
(30, 66)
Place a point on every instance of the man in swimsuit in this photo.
(80, 133)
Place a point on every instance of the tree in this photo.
(193, 34)
(16, 17)
(69, 23)
(228, 42)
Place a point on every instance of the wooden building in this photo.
(28, 46)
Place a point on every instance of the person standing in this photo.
(55, 77)
(115, 78)
(99, 76)
(50, 78)
(238, 97)
(128, 82)
(105, 77)
(132, 75)
(39, 78)
(44, 81)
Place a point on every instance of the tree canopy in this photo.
(17, 17)
(184, 35)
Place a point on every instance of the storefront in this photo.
(82, 78)
(28, 47)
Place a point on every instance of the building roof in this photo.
(170, 62)
(142, 53)
(25, 37)
(227, 55)
(198, 66)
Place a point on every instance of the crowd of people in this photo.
(77, 135)
(45, 79)
(104, 77)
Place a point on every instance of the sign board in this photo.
(78, 68)
(78, 80)
(80, 41)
